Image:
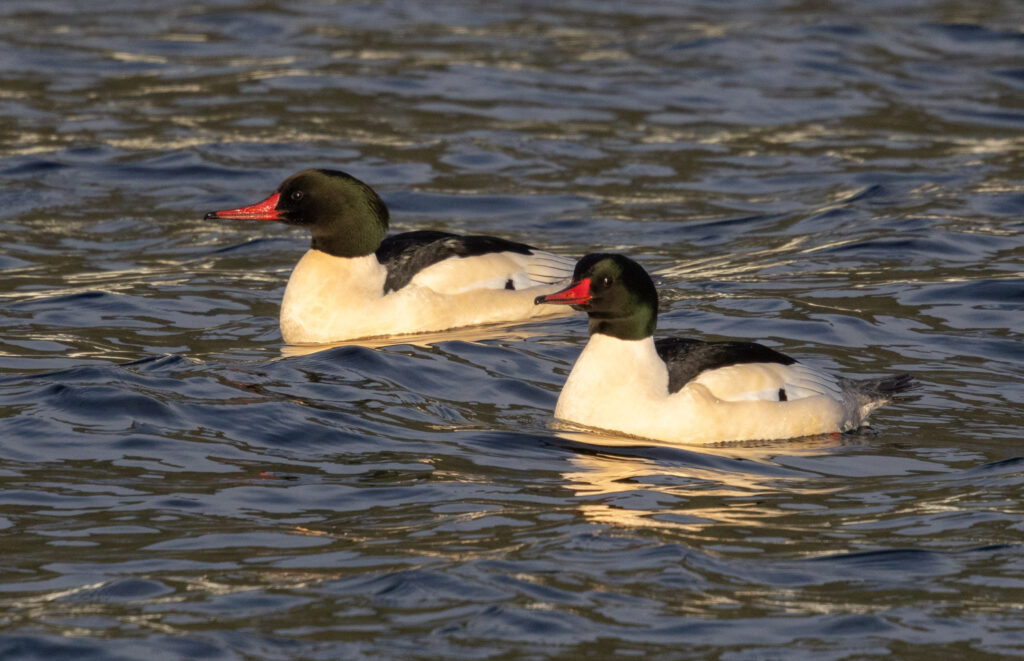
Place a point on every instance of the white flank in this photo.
(493, 271)
(329, 299)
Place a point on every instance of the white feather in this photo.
(456, 275)
(622, 385)
(329, 299)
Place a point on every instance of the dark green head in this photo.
(344, 215)
(615, 292)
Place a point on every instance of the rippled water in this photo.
(842, 183)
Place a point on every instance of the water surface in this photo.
(843, 184)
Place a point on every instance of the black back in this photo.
(404, 255)
(687, 358)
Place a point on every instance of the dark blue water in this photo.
(843, 183)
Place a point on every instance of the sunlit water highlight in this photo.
(842, 183)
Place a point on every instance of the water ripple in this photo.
(837, 183)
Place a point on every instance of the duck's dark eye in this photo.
(606, 281)
(296, 195)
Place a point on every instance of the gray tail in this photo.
(872, 393)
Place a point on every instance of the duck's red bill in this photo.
(578, 293)
(265, 210)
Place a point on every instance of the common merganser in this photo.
(354, 282)
(690, 391)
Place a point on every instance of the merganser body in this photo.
(689, 391)
(356, 282)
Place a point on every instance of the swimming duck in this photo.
(355, 282)
(690, 391)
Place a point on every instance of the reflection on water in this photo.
(510, 332)
(690, 490)
(842, 182)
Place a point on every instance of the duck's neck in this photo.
(638, 324)
(352, 230)
(318, 270)
(352, 245)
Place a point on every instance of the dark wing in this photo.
(686, 358)
(404, 255)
